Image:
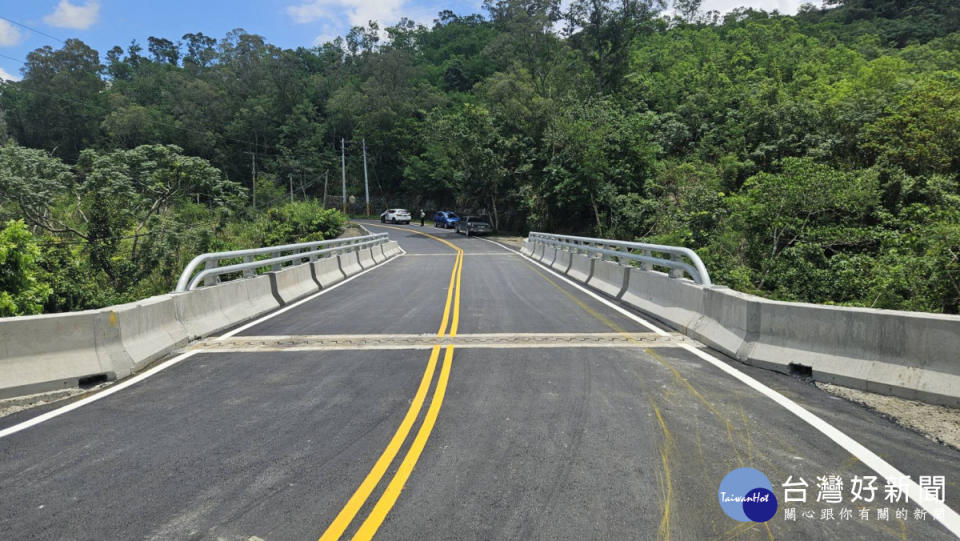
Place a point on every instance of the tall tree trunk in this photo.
(596, 214)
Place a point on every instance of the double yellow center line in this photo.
(448, 327)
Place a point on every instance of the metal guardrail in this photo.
(296, 253)
(629, 252)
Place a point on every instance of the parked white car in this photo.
(395, 216)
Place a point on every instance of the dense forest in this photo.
(813, 157)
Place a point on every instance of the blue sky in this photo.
(286, 23)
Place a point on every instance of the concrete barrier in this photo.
(561, 262)
(676, 302)
(327, 271)
(349, 263)
(378, 255)
(365, 257)
(549, 254)
(908, 354)
(148, 330)
(537, 251)
(609, 277)
(913, 355)
(526, 249)
(391, 248)
(581, 267)
(729, 321)
(209, 310)
(295, 282)
(47, 352)
(42, 353)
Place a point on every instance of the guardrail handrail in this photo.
(607, 247)
(303, 250)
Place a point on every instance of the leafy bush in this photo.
(21, 289)
(303, 221)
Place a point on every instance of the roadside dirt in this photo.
(352, 230)
(938, 423)
(9, 406)
(513, 242)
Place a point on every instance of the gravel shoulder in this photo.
(513, 242)
(352, 230)
(938, 423)
(9, 406)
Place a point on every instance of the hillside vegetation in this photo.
(812, 158)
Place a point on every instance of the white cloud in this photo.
(353, 12)
(78, 16)
(329, 34)
(9, 34)
(786, 7)
(336, 17)
(6, 76)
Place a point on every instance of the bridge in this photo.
(458, 388)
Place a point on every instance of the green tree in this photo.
(921, 133)
(37, 185)
(59, 105)
(22, 291)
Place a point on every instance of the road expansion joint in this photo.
(426, 341)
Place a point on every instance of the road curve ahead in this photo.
(462, 391)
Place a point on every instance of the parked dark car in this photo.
(445, 219)
(474, 225)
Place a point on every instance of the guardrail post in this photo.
(676, 273)
(644, 265)
(249, 273)
(213, 279)
(276, 266)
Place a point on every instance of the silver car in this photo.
(395, 216)
(473, 225)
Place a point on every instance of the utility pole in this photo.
(366, 184)
(253, 175)
(290, 178)
(326, 180)
(343, 170)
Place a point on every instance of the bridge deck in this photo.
(542, 412)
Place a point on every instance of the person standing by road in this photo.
(422, 216)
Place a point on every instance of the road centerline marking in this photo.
(393, 490)
(370, 482)
(451, 315)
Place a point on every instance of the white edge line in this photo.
(940, 511)
(93, 398)
(167, 364)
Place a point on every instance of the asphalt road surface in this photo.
(459, 391)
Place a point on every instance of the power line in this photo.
(21, 25)
(12, 58)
